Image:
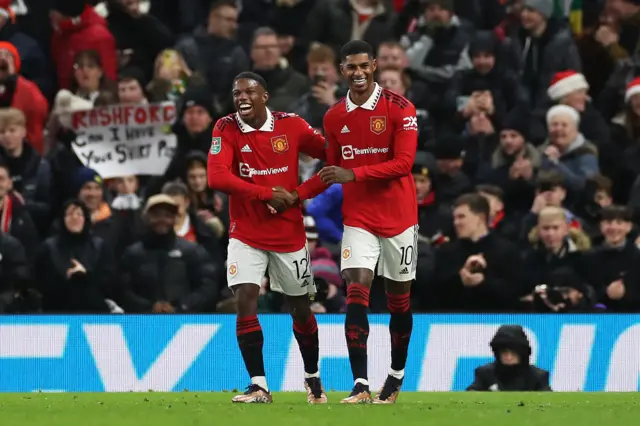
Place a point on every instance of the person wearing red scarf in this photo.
(434, 219)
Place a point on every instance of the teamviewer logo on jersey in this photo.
(347, 152)
(245, 170)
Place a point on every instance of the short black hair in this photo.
(248, 75)
(476, 203)
(623, 213)
(356, 47)
(549, 179)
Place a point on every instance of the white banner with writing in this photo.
(122, 140)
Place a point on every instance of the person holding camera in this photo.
(478, 272)
(554, 267)
(512, 369)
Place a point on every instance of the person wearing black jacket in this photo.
(512, 370)
(14, 270)
(163, 273)
(479, 272)
(614, 266)
(14, 218)
(30, 172)
(74, 270)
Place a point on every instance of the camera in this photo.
(322, 289)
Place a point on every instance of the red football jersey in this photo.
(247, 163)
(378, 141)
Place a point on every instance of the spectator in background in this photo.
(399, 82)
(89, 79)
(210, 207)
(437, 50)
(434, 217)
(171, 77)
(74, 270)
(614, 266)
(391, 55)
(622, 42)
(511, 370)
(165, 274)
(329, 283)
(571, 88)
(34, 62)
(449, 177)
(213, 51)
(139, 36)
(478, 272)
(14, 218)
(78, 27)
(31, 174)
(555, 266)
(567, 151)
(285, 85)
(539, 48)
(189, 226)
(131, 87)
(336, 22)
(323, 74)
(193, 129)
(487, 88)
(501, 222)
(22, 94)
(515, 163)
(326, 210)
(14, 271)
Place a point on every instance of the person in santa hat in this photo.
(571, 88)
(35, 64)
(566, 150)
(78, 27)
(20, 93)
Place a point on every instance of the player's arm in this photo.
(314, 186)
(312, 142)
(405, 143)
(221, 158)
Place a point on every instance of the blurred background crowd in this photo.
(528, 156)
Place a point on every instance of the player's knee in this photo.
(246, 299)
(397, 287)
(299, 308)
(358, 276)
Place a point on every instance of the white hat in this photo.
(566, 82)
(563, 110)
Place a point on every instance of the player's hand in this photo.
(335, 174)
(281, 200)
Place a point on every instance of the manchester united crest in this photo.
(280, 144)
(378, 124)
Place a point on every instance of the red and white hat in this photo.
(566, 82)
(633, 88)
(5, 8)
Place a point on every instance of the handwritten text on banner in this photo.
(123, 140)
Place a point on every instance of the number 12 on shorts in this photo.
(302, 267)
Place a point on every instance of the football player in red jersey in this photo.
(372, 138)
(254, 159)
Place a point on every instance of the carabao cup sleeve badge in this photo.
(216, 145)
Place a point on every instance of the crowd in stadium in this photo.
(533, 105)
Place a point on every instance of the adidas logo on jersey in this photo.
(246, 148)
(405, 271)
(345, 129)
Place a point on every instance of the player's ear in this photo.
(265, 97)
(341, 68)
(374, 65)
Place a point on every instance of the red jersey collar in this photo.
(268, 125)
(370, 104)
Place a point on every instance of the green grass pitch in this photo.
(291, 409)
